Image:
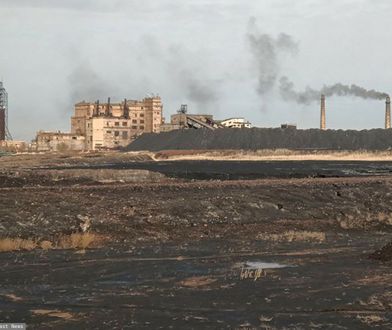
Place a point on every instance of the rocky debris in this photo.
(85, 223)
(264, 138)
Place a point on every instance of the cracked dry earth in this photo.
(185, 254)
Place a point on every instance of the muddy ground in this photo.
(186, 253)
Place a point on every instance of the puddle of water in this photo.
(264, 265)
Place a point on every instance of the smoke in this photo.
(309, 95)
(266, 51)
(201, 94)
(86, 84)
(191, 73)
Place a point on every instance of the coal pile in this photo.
(264, 138)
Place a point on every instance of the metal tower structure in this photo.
(4, 131)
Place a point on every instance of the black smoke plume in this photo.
(309, 95)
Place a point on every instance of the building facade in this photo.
(59, 141)
(110, 125)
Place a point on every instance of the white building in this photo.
(238, 122)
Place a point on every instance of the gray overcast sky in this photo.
(54, 53)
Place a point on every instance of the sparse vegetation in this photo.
(16, 244)
(73, 241)
(78, 241)
(294, 236)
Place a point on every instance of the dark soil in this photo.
(198, 285)
(175, 249)
(171, 211)
(383, 254)
(247, 170)
(265, 138)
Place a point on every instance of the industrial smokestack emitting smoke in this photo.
(323, 123)
(388, 113)
(310, 95)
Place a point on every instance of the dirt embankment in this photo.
(264, 138)
(274, 155)
(18, 162)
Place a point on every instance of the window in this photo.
(117, 123)
(142, 115)
(134, 127)
(74, 138)
(141, 127)
(134, 121)
(109, 132)
(125, 135)
(141, 121)
(116, 133)
(124, 123)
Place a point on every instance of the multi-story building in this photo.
(111, 125)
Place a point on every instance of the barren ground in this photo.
(177, 251)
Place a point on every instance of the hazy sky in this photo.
(54, 53)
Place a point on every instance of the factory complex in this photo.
(109, 126)
(106, 126)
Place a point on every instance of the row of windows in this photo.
(117, 133)
(117, 123)
(124, 134)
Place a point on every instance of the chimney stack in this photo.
(108, 108)
(323, 125)
(388, 113)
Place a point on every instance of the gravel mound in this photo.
(264, 138)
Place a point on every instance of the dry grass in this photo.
(371, 319)
(273, 154)
(12, 297)
(294, 236)
(16, 244)
(78, 241)
(73, 241)
(197, 281)
(54, 313)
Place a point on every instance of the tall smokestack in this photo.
(126, 109)
(323, 125)
(388, 113)
(2, 124)
(3, 112)
(108, 112)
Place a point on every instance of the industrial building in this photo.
(111, 125)
(183, 120)
(59, 141)
(100, 126)
(238, 122)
